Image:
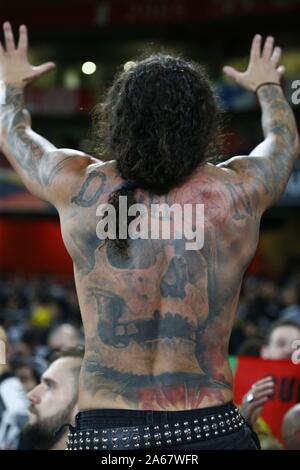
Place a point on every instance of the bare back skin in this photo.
(158, 322)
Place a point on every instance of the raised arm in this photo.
(265, 172)
(45, 170)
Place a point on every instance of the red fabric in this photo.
(33, 246)
(287, 386)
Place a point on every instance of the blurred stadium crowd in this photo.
(40, 317)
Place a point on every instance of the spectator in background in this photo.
(278, 345)
(291, 428)
(259, 307)
(13, 404)
(263, 308)
(251, 347)
(64, 336)
(13, 310)
(44, 313)
(53, 403)
(279, 340)
(246, 334)
(28, 371)
(290, 298)
(28, 343)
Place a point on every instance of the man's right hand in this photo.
(254, 400)
(262, 66)
(15, 68)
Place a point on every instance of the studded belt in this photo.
(158, 435)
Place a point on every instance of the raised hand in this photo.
(254, 401)
(14, 65)
(262, 65)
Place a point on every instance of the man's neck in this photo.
(61, 444)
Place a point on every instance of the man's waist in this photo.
(113, 429)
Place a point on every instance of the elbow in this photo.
(297, 144)
(290, 142)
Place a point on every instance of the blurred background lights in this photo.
(71, 79)
(88, 68)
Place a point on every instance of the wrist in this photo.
(11, 93)
(9, 81)
(264, 84)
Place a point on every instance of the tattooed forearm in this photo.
(36, 160)
(281, 145)
(277, 115)
(264, 173)
(25, 148)
(281, 133)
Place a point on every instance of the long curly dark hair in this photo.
(160, 120)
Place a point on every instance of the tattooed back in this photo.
(157, 321)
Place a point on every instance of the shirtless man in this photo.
(157, 317)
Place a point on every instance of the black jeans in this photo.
(95, 426)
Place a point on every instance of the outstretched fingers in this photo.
(23, 40)
(42, 69)
(231, 72)
(9, 40)
(276, 55)
(255, 48)
(281, 70)
(268, 48)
